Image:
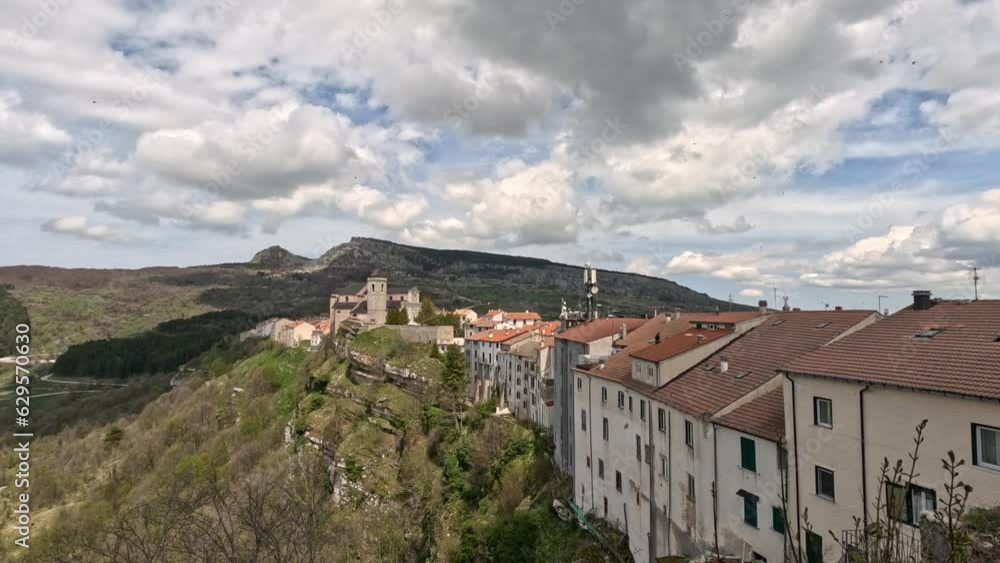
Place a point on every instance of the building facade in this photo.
(371, 303)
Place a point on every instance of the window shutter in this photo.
(748, 454)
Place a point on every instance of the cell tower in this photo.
(590, 285)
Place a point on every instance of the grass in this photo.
(283, 368)
(61, 316)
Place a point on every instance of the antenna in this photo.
(775, 296)
(975, 281)
(880, 298)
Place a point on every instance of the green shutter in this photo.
(777, 520)
(748, 454)
(750, 511)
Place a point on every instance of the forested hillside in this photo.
(71, 306)
(12, 313)
(161, 350)
(358, 452)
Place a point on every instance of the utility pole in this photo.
(775, 302)
(975, 281)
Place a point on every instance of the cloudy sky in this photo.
(836, 150)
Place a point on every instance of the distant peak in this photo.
(277, 257)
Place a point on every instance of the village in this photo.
(749, 435)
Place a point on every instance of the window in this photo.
(605, 507)
(638, 447)
(579, 383)
(824, 483)
(823, 412)
(621, 399)
(814, 547)
(663, 466)
(642, 410)
(661, 419)
(630, 403)
(908, 504)
(600, 468)
(588, 461)
(930, 333)
(777, 520)
(690, 491)
(986, 446)
(583, 419)
(748, 454)
(604, 428)
(604, 394)
(689, 433)
(618, 481)
(749, 508)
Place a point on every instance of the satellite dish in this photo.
(593, 290)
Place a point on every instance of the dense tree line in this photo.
(163, 349)
(12, 313)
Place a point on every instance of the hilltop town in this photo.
(759, 435)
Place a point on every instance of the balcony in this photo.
(872, 547)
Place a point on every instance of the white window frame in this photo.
(980, 428)
(833, 476)
(816, 412)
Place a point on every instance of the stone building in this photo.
(371, 303)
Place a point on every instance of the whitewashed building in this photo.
(852, 404)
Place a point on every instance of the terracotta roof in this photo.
(678, 344)
(525, 316)
(618, 367)
(763, 416)
(754, 358)
(736, 317)
(461, 311)
(493, 312)
(547, 328)
(484, 323)
(601, 328)
(498, 335)
(963, 358)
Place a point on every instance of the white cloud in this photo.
(81, 227)
(26, 135)
(751, 292)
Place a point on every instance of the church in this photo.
(370, 303)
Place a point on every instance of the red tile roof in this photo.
(754, 358)
(735, 317)
(618, 367)
(964, 358)
(493, 312)
(484, 323)
(601, 328)
(525, 316)
(763, 416)
(497, 335)
(545, 329)
(678, 344)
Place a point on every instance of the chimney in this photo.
(723, 364)
(701, 338)
(657, 339)
(677, 314)
(838, 308)
(797, 309)
(716, 309)
(762, 305)
(921, 300)
(624, 331)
